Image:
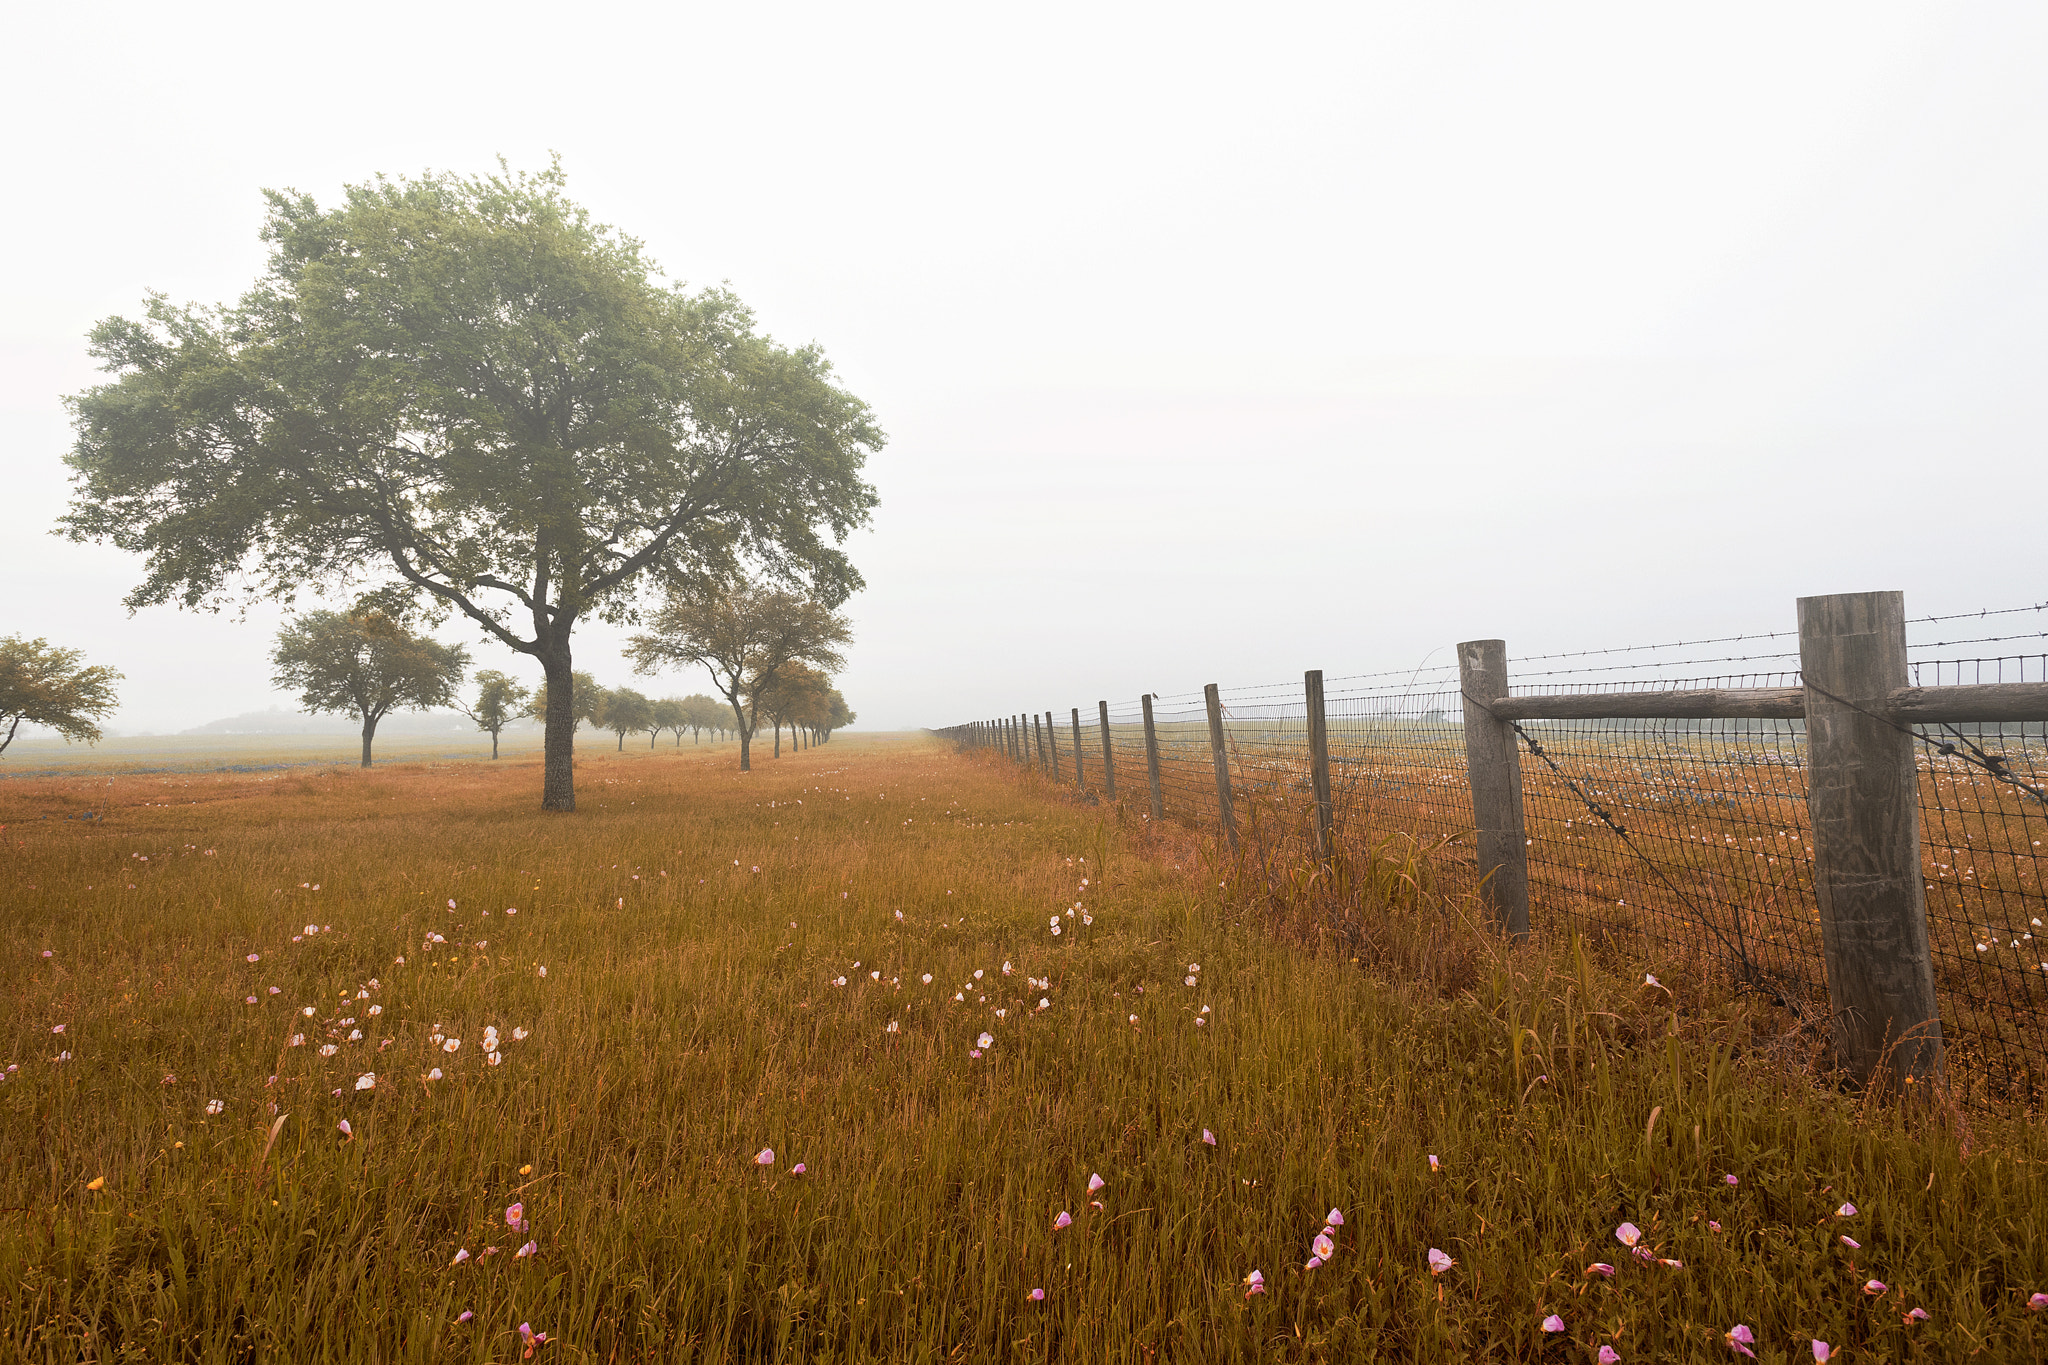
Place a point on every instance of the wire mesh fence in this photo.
(1659, 835)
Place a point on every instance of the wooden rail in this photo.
(1978, 702)
(1985, 702)
(1705, 703)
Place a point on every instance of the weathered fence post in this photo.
(1220, 756)
(1052, 746)
(1863, 801)
(1318, 759)
(1493, 767)
(1152, 759)
(1108, 754)
(1080, 780)
(1016, 743)
(1038, 739)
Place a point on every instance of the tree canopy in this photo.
(365, 664)
(626, 712)
(745, 634)
(47, 685)
(462, 388)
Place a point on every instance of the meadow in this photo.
(887, 1052)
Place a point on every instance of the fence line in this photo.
(1854, 823)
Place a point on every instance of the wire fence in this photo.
(1662, 836)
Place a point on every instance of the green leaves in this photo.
(465, 384)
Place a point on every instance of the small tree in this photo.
(49, 686)
(837, 716)
(625, 712)
(668, 715)
(499, 702)
(705, 714)
(745, 634)
(366, 664)
(796, 696)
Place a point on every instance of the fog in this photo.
(1213, 343)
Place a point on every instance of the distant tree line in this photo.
(766, 648)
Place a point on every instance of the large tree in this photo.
(499, 702)
(463, 388)
(365, 664)
(47, 685)
(745, 634)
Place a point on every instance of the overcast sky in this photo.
(1213, 343)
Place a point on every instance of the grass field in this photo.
(706, 966)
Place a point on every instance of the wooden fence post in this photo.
(1152, 759)
(1108, 754)
(1052, 746)
(1318, 759)
(1493, 768)
(1863, 801)
(1080, 780)
(1038, 739)
(1220, 756)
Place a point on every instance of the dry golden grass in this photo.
(691, 1015)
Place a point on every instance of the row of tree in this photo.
(766, 650)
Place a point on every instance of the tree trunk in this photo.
(558, 762)
(369, 733)
(622, 741)
(778, 739)
(746, 738)
(494, 746)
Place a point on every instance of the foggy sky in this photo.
(1214, 343)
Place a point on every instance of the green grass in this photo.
(678, 1033)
